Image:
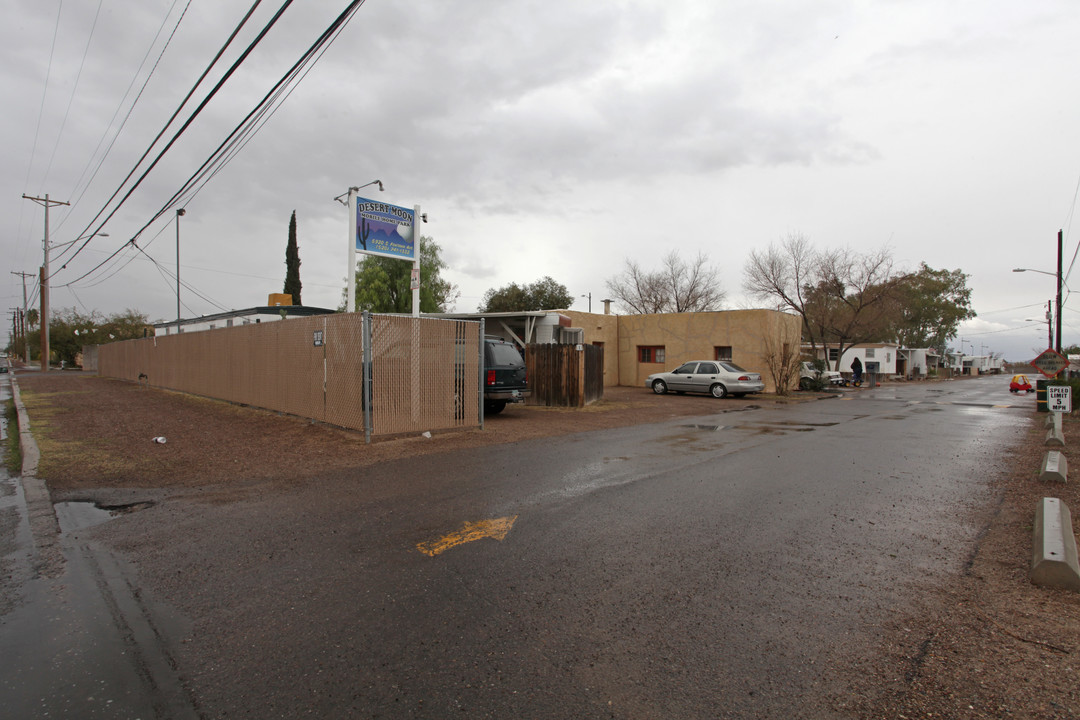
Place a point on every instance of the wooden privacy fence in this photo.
(424, 372)
(563, 375)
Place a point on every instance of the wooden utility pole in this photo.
(25, 339)
(47, 203)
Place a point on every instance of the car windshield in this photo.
(731, 367)
(686, 369)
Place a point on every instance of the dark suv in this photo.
(504, 375)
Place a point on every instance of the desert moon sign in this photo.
(384, 229)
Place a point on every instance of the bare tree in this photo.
(782, 360)
(842, 296)
(678, 286)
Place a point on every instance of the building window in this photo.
(228, 323)
(723, 352)
(651, 353)
(869, 352)
(834, 355)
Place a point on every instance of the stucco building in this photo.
(636, 346)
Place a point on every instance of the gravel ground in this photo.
(987, 645)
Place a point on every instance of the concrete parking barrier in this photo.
(1055, 467)
(1054, 437)
(1053, 562)
(1054, 419)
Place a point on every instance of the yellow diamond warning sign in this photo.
(1050, 363)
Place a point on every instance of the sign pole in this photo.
(416, 262)
(350, 300)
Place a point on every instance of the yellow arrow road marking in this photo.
(496, 528)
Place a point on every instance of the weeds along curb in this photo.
(43, 523)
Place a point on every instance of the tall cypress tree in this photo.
(292, 264)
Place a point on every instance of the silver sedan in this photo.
(719, 378)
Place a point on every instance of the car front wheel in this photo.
(718, 390)
(659, 387)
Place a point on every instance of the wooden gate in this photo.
(562, 375)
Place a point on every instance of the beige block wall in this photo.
(687, 336)
(695, 336)
(600, 328)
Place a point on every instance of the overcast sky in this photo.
(550, 137)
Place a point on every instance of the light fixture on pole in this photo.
(357, 187)
(1049, 325)
(588, 295)
(180, 212)
(1060, 284)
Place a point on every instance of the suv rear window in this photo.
(505, 354)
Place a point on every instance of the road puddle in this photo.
(81, 514)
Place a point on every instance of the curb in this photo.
(1055, 466)
(1054, 562)
(44, 527)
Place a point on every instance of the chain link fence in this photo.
(424, 373)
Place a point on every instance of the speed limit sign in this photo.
(1059, 398)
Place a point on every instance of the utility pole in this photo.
(26, 340)
(47, 203)
(1049, 326)
(1058, 346)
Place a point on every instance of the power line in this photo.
(44, 92)
(120, 105)
(246, 126)
(71, 98)
(249, 125)
(186, 124)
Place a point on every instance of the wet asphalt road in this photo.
(722, 566)
(75, 640)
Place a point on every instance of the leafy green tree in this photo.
(292, 264)
(383, 284)
(544, 294)
(928, 307)
(69, 330)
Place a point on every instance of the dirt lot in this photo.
(989, 645)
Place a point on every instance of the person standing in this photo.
(856, 370)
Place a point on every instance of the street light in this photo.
(1057, 276)
(180, 212)
(1060, 283)
(357, 187)
(589, 295)
(1049, 325)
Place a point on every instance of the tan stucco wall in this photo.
(600, 328)
(686, 336)
(694, 336)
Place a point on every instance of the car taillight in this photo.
(744, 378)
(490, 377)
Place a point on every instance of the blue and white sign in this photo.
(384, 229)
